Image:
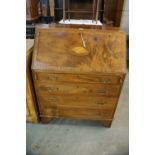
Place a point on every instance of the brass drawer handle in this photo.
(105, 92)
(100, 103)
(55, 78)
(51, 78)
(43, 88)
(50, 89)
(54, 99)
(106, 81)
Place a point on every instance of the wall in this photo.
(125, 17)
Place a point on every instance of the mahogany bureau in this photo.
(78, 73)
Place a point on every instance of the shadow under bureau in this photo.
(78, 73)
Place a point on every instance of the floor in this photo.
(70, 137)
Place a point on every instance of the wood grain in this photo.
(78, 87)
(31, 109)
(107, 51)
(77, 113)
(32, 10)
(78, 78)
(75, 101)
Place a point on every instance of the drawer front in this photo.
(77, 101)
(77, 113)
(105, 79)
(78, 89)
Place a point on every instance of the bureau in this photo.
(31, 105)
(78, 73)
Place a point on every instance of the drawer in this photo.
(77, 113)
(78, 89)
(77, 101)
(104, 79)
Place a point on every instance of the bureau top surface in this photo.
(73, 50)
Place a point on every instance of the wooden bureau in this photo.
(31, 106)
(78, 73)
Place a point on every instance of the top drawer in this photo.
(52, 77)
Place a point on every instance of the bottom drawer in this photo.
(77, 113)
